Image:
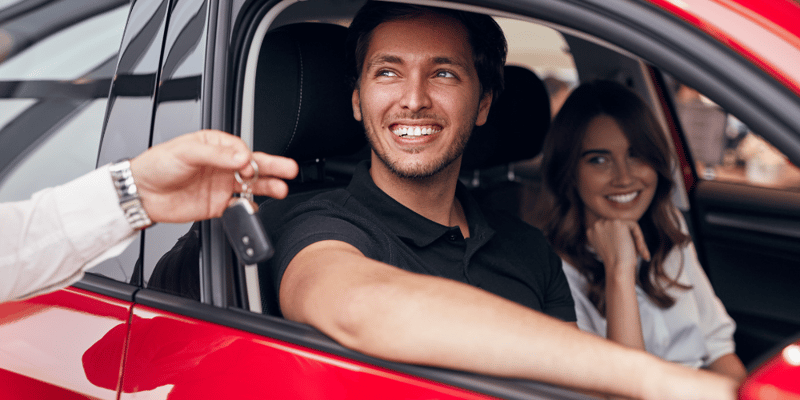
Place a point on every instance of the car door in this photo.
(743, 184)
(55, 72)
(193, 339)
(744, 218)
(199, 337)
(746, 211)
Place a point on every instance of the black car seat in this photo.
(302, 101)
(303, 111)
(514, 131)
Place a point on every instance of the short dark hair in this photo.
(485, 36)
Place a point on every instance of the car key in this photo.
(243, 227)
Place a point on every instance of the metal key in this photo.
(244, 228)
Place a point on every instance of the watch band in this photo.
(129, 200)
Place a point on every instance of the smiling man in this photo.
(419, 99)
(404, 265)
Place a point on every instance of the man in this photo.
(387, 267)
(48, 241)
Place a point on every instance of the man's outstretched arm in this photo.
(401, 316)
(47, 241)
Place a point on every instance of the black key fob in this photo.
(246, 233)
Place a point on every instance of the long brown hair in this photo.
(565, 225)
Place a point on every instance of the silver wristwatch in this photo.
(129, 199)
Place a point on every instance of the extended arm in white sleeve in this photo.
(48, 241)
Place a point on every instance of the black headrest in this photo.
(302, 103)
(517, 123)
(303, 111)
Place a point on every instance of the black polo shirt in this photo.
(503, 255)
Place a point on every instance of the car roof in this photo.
(765, 31)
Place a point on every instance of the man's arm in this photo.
(46, 242)
(393, 314)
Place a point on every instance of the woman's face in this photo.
(613, 181)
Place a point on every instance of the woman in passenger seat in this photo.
(631, 266)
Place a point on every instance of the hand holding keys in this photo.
(244, 229)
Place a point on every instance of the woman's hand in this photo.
(618, 243)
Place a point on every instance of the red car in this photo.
(176, 316)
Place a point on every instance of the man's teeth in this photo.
(414, 131)
(623, 198)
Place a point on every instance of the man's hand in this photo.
(191, 177)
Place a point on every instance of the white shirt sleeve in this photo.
(716, 325)
(48, 241)
(695, 331)
(588, 318)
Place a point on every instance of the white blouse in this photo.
(695, 331)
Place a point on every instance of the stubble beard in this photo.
(420, 171)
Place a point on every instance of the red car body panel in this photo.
(43, 343)
(171, 356)
(778, 378)
(766, 32)
(79, 344)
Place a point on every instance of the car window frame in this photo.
(600, 22)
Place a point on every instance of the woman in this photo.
(632, 268)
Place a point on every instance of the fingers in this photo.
(272, 187)
(225, 151)
(217, 149)
(274, 166)
(272, 170)
(211, 148)
(221, 155)
(617, 241)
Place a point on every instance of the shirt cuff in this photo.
(90, 212)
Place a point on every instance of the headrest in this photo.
(518, 122)
(302, 103)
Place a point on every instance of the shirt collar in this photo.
(407, 224)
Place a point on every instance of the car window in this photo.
(63, 156)
(11, 108)
(535, 47)
(54, 102)
(170, 261)
(129, 115)
(8, 3)
(72, 52)
(725, 149)
(544, 51)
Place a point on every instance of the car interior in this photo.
(301, 111)
(297, 84)
(307, 116)
(272, 72)
(294, 102)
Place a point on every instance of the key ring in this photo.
(246, 184)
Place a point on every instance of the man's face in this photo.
(419, 96)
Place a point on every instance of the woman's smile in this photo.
(613, 182)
